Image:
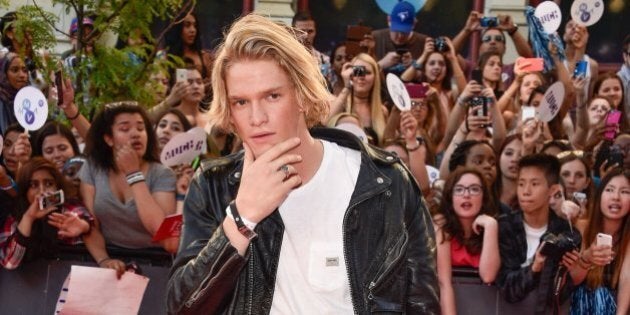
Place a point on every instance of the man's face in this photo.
(264, 108)
(307, 27)
(492, 40)
(533, 190)
(400, 38)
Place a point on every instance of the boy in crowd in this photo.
(528, 264)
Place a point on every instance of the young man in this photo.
(399, 36)
(304, 22)
(525, 269)
(299, 222)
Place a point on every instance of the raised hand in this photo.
(267, 180)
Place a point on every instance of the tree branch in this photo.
(51, 23)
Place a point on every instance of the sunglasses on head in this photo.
(497, 38)
(577, 153)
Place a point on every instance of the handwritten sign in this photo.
(587, 12)
(170, 227)
(551, 103)
(398, 92)
(354, 129)
(31, 108)
(184, 147)
(434, 174)
(549, 15)
(98, 291)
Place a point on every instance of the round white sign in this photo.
(398, 92)
(31, 108)
(587, 12)
(549, 15)
(434, 174)
(551, 103)
(354, 129)
(184, 147)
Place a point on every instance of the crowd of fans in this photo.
(519, 199)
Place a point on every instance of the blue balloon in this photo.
(388, 5)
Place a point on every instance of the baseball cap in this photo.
(402, 17)
(74, 25)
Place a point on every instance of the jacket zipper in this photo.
(195, 295)
(345, 248)
(386, 272)
(251, 278)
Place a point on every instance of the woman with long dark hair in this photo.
(123, 184)
(32, 231)
(599, 269)
(469, 235)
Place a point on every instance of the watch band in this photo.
(240, 224)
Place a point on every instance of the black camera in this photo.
(555, 246)
(480, 101)
(615, 156)
(359, 71)
(401, 51)
(441, 45)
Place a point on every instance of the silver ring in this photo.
(285, 169)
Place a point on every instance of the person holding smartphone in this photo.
(606, 234)
(31, 230)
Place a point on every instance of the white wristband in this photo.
(249, 224)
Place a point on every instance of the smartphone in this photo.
(483, 111)
(181, 75)
(422, 90)
(59, 85)
(489, 21)
(477, 76)
(533, 64)
(604, 239)
(580, 68)
(54, 199)
(612, 122)
(579, 198)
(615, 156)
(527, 112)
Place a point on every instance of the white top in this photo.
(533, 240)
(312, 276)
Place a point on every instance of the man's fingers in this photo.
(248, 158)
(286, 159)
(279, 149)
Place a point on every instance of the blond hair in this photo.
(377, 116)
(254, 37)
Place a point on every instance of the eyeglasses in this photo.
(577, 153)
(473, 190)
(497, 38)
(419, 104)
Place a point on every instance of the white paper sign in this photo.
(184, 147)
(398, 92)
(97, 291)
(549, 15)
(434, 174)
(353, 129)
(551, 103)
(31, 108)
(587, 12)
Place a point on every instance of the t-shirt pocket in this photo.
(326, 266)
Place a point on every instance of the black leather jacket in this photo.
(516, 282)
(388, 242)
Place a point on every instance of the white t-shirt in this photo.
(533, 240)
(312, 276)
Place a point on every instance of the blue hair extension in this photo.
(540, 40)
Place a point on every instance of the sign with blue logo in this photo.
(31, 108)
